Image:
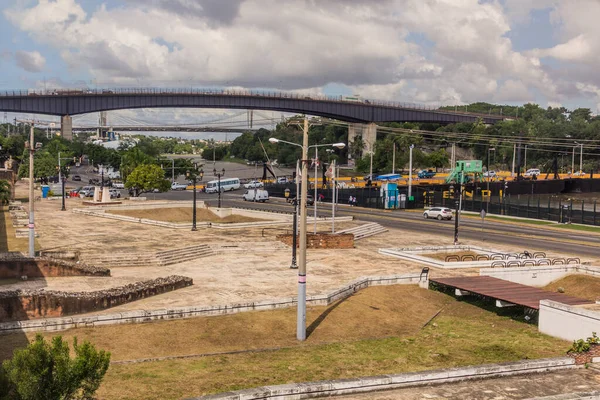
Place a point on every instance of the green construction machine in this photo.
(466, 171)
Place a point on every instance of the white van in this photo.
(532, 172)
(256, 195)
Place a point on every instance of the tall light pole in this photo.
(301, 317)
(31, 196)
(394, 159)
(573, 162)
(193, 174)
(412, 146)
(525, 160)
(219, 175)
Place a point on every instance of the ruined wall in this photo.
(29, 304)
(15, 267)
(323, 240)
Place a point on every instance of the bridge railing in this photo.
(226, 92)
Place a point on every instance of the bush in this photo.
(46, 371)
(582, 346)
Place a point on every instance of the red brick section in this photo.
(18, 305)
(14, 267)
(586, 357)
(323, 240)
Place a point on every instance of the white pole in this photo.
(573, 162)
(316, 186)
(31, 198)
(301, 317)
(581, 159)
(410, 171)
(394, 159)
(333, 190)
(512, 172)
(525, 161)
(173, 171)
(371, 167)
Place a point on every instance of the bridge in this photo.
(69, 102)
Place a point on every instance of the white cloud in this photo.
(31, 61)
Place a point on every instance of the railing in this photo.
(225, 92)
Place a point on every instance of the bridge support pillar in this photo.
(66, 127)
(369, 137)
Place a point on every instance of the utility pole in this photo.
(512, 172)
(573, 162)
(301, 317)
(333, 191)
(394, 159)
(581, 159)
(31, 195)
(371, 167)
(412, 146)
(316, 184)
(525, 161)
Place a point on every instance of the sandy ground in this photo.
(253, 274)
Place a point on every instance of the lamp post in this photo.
(193, 174)
(294, 202)
(63, 173)
(412, 146)
(301, 317)
(316, 146)
(31, 195)
(219, 175)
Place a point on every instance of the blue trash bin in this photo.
(45, 191)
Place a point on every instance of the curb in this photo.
(306, 390)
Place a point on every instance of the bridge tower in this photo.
(66, 127)
(368, 132)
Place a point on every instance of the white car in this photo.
(253, 185)
(489, 174)
(579, 173)
(532, 172)
(438, 213)
(118, 185)
(114, 193)
(178, 186)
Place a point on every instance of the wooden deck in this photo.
(510, 292)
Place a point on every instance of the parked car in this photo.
(426, 174)
(256, 195)
(532, 172)
(579, 173)
(253, 185)
(76, 178)
(178, 186)
(489, 174)
(438, 213)
(309, 200)
(118, 185)
(282, 179)
(114, 193)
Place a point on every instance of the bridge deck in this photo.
(510, 292)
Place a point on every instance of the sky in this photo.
(433, 52)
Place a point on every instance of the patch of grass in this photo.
(8, 240)
(583, 228)
(184, 214)
(8, 281)
(379, 330)
(442, 256)
(582, 286)
(519, 220)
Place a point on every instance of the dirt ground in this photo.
(257, 272)
(585, 287)
(442, 256)
(184, 214)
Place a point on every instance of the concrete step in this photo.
(190, 256)
(363, 231)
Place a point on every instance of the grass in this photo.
(8, 281)
(8, 240)
(379, 330)
(582, 286)
(584, 228)
(442, 256)
(184, 214)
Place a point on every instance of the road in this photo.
(581, 244)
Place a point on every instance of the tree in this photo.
(5, 192)
(146, 178)
(46, 371)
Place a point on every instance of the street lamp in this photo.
(219, 175)
(316, 146)
(412, 146)
(193, 174)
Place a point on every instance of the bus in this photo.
(226, 184)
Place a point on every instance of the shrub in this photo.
(46, 371)
(582, 346)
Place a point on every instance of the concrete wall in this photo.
(42, 267)
(567, 322)
(306, 390)
(23, 305)
(322, 240)
(539, 276)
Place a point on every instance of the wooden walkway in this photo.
(509, 292)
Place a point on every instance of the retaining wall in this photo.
(305, 390)
(539, 276)
(28, 304)
(322, 240)
(58, 324)
(567, 322)
(15, 267)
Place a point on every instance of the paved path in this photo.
(516, 387)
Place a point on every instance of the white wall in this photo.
(567, 322)
(532, 276)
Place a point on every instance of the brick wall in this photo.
(15, 266)
(586, 357)
(29, 304)
(323, 240)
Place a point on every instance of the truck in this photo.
(256, 195)
(178, 186)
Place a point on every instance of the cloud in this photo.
(31, 61)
